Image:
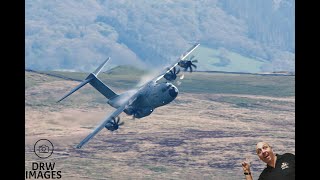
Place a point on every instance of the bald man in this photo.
(278, 166)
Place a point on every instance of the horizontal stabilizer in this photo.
(76, 88)
(97, 71)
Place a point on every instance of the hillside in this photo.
(127, 77)
(79, 34)
(205, 133)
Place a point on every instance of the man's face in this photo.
(264, 152)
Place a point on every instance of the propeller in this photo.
(172, 74)
(114, 124)
(191, 59)
(188, 64)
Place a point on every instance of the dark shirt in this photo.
(284, 169)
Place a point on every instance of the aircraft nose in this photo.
(173, 92)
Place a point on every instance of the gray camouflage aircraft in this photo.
(138, 102)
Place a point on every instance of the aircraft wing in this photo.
(106, 120)
(182, 57)
(101, 126)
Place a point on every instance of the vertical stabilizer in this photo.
(96, 83)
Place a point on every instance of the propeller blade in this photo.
(118, 119)
(112, 120)
(195, 61)
(190, 68)
(178, 71)
(120, 124)
(194, 66)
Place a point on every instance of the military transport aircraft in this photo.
(139, 102)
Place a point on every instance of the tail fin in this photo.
(96, 83)
(97, 71)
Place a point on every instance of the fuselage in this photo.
(150, 97)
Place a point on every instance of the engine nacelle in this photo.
(170, 76)
(139, 113)
(111, 127)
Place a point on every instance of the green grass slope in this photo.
(224, 60)
(126, 78)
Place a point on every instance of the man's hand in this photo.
(246, 169)
(245, 166)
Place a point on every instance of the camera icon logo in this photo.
(43, 148)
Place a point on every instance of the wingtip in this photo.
(61, 99)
